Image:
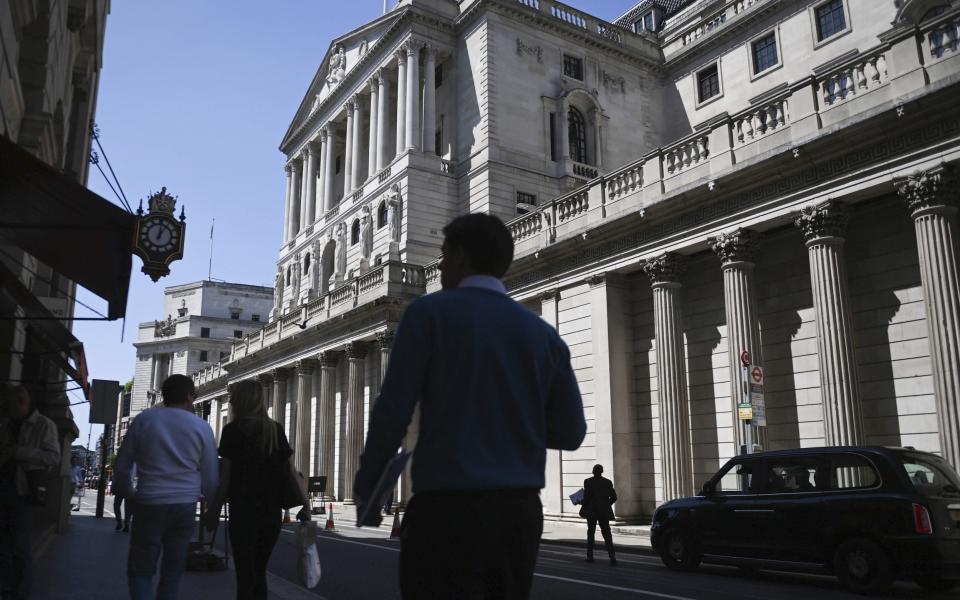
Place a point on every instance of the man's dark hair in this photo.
(485, 241)
(176, 388)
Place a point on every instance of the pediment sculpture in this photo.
(338, 66)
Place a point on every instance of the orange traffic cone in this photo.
(330, 518)
(286, 515)
(395, 530)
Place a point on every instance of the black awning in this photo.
(66, 226)
(61, 346)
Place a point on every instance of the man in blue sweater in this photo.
(176, 461)
(495, 389)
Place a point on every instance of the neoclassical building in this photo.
(692, 181)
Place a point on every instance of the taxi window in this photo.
(738, 478)
(795, 475)
(931, 476)
(852, 472)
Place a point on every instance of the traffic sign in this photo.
(756, 375)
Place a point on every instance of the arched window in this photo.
(306, 262)
(577, 131)
(382, 215)
(355, 232)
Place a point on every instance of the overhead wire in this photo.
(95, 134)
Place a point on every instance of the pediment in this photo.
(341, 57)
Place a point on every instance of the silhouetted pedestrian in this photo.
(175, 456)
(255, 459)
(597, 509)
(495, 389)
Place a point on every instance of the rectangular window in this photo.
(438, 76)
(237, 333)
(645, 23)
(851, 472)
(765, 53)
(205, 332)
(708, 83)
(526, 203)
(203, 356)
(235, 316)
(573, 67)
(830, 19)
(223, 355)
(255, 318)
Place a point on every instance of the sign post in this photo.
(751, 409)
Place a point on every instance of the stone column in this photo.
(822, 226)
(676, 466)
(304, 393)
(330, 165)
(286, 203)
(736, 250)
(933, 198)
(266, 381)
(311, 184)
(374, 124)
(429, 101)
(384, 343)
(348, 153)
(321, 173)
(413, 93)
(383, 120)
(215, 418)
(326, 417)
(357, 141)
(401, 101)
(563, 129)
(304, 189)
(295, 213)
(279, 399)
(356, 352)
(552, 494)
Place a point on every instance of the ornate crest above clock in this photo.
(159, 235)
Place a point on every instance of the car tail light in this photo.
(921, 519)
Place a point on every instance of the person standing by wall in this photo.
(597, 509)
(28, 448)
(175, 455)
(495, 389)
(255, 460)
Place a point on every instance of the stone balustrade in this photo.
(686, 154)
(526, 226)
(864, 73)
(576, 18)
(625, 181)
(572, 205)
(943, 38)
(581, 170)
(759, 121)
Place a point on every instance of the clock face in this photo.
(159, 235)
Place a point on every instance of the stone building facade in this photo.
(694, 180)
(201, 322)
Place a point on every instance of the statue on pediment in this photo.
(394, 206)
(338, 66)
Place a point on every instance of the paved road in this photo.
(362, 565)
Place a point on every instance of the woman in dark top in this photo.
(254, 459)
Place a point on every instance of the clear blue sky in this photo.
(195, 95)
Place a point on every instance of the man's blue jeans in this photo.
(156, 527)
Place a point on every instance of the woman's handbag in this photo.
(293, 489)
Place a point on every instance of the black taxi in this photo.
(867, 514)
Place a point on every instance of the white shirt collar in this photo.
(484, 282)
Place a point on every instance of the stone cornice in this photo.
(936, 187)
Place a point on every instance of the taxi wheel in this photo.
(679, 551)
(863, 566)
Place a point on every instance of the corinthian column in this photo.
(374, 124)
(310, 201)
(286, 202)
(401, 101)
(664, 274)
(822, 226)
(295, 214)
(382, 120)
(356, 352)
(933, 199)
(304, 393)
(348, 154)
(326, 417)
(266, 380)
(413, 93)
(357, 140)
(429, 101)
(322, 173)
(304, 189)
(330, 149)
(279, 399)
(735, 250)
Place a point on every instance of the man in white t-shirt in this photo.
(175, 456)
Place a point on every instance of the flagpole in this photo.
(210, 264)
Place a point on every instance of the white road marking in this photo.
(614, 587)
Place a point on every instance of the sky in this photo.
(195, 95)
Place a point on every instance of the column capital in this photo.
(288, 168)
(323, 133)
(297, 165)
(311, 148)
(305, 366)
(431, 49)
(934, 188)
(412, 47)
(356, 350)
(279, 374)
(603, 279)
(826, 220)
(265, 378)
(374, 82)
(356, 101)
(736, 246)
(550, 295)
(663, 269)
(401, 56)
(328, 359)
(385, 339)
(348, 106)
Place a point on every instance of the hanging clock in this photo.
(159, 235)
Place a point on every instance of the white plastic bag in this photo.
(308, 563)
